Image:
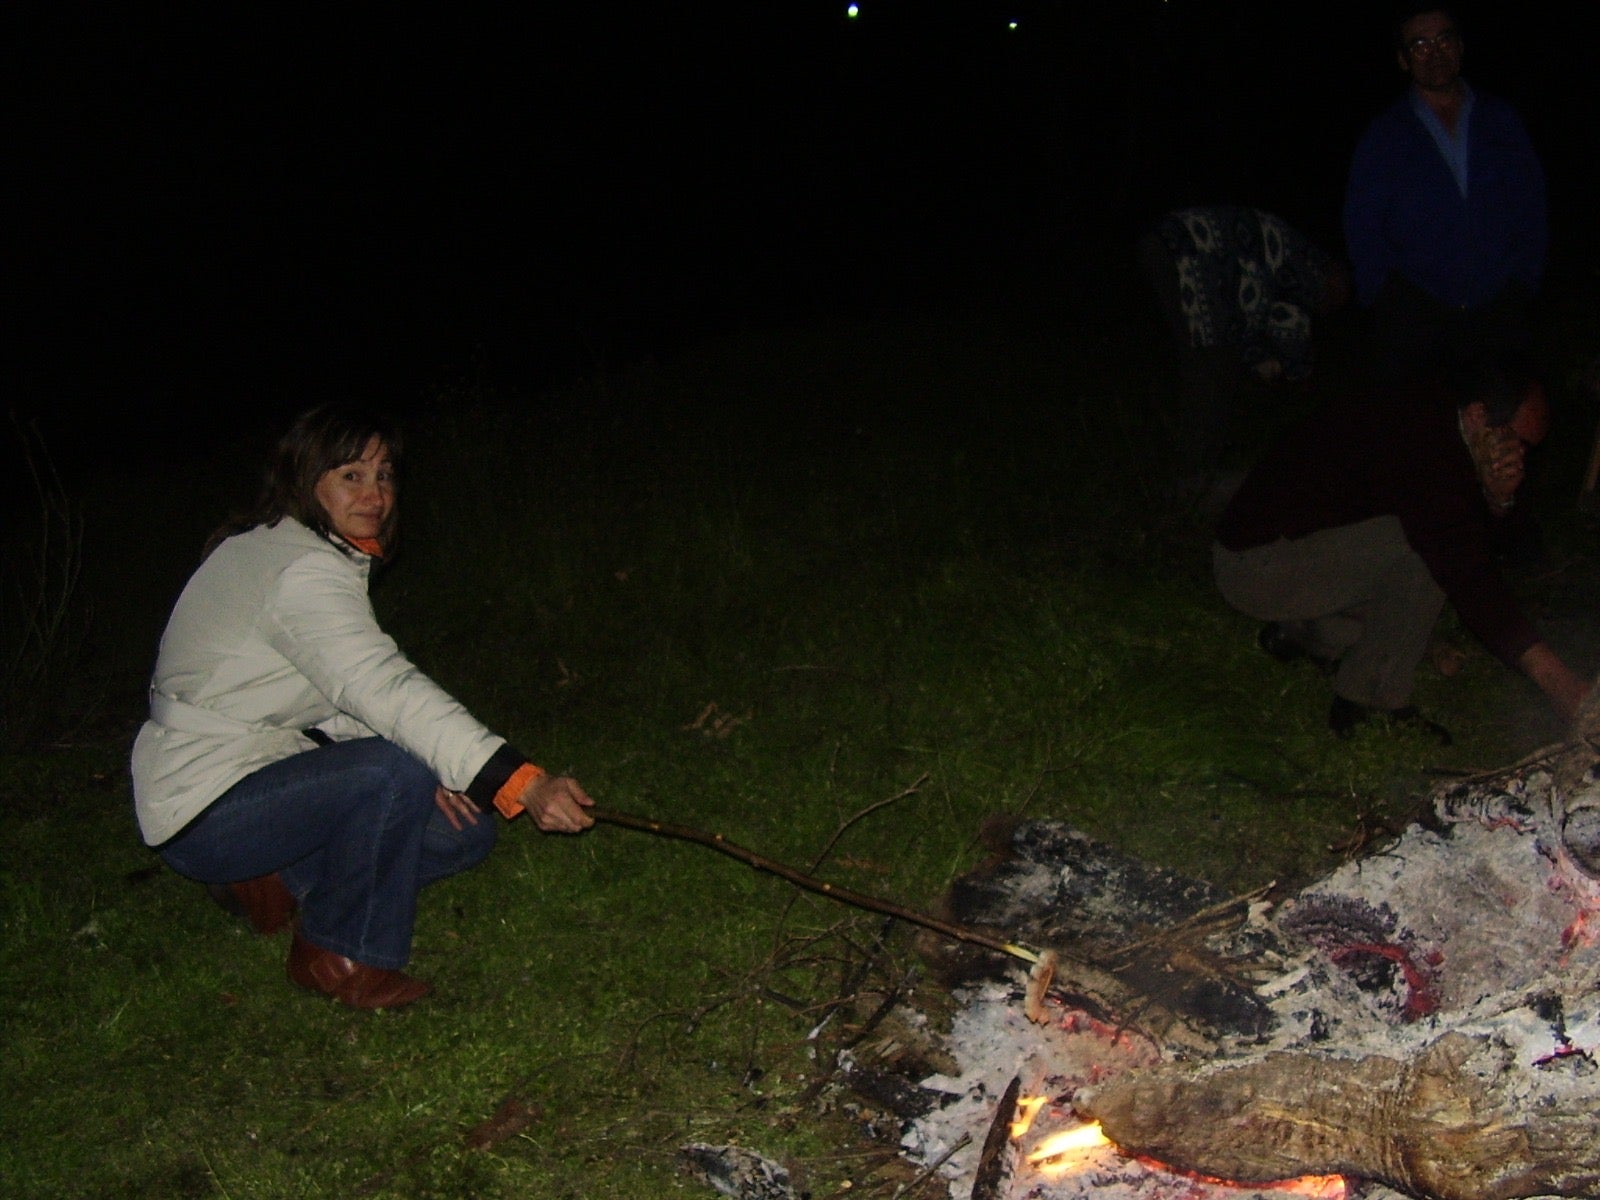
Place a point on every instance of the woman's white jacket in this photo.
(272, 636)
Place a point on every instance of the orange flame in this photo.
(1027, 1109)
(1061, 1151)
(1066, 1150)
(1318, 1187)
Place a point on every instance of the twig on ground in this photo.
(885, 1007)
(847, 988)
(628, 1058)
(874, 1160)
(911, 789)
(1195, 927)
(511, 1117)
(1479, 774)
(962, 1143)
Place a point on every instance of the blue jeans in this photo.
(353, 831)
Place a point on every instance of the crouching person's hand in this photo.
(1565, 688)
(555, 803)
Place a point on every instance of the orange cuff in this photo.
(507, 799)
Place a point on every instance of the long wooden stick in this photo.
(812, 884)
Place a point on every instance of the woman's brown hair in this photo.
(320, 440)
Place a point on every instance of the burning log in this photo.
(1452, 1123)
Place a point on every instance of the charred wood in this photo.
(892, 1091)
(994, 1161)
(1129, 939)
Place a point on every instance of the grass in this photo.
(837, 592)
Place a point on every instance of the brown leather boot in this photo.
(351, 983)
(265, 902)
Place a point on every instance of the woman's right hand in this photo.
(555, 803)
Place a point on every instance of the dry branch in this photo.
(812, 884)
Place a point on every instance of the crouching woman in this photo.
(294, 760)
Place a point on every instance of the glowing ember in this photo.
(1584, 930)
(1060, 1150)
(1319, 1187)
(1069, 1149)
(1315, 1187)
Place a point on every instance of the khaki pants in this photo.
(1357, 593)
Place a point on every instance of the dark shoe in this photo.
(352, 984)
(264, 902)
(1278, 642)
(1346, 715)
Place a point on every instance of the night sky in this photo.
(228, 206)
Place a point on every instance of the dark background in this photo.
(231, 210)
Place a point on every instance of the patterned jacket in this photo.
(1247, 279)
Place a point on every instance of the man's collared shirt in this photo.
(1452, 145)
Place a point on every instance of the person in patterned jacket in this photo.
(1238, 288)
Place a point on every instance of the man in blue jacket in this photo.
(1444, 212)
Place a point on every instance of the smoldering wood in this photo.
(1444, 1124)
(1130, 938)
(994, 1161)
(1455, 1056)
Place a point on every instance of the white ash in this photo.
(1499, 928)
(736, 1172)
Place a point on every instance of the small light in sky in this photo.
(1011, 25)
(852, 11)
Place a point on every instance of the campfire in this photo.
(1423, 1022)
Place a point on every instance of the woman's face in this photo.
(359, 496)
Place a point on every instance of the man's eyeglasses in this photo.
(1422, 47)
